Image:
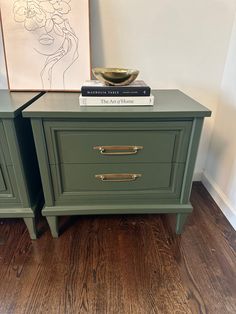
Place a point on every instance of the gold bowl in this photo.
(115, 76)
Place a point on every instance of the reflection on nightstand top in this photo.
(168, 104)
(11, 103)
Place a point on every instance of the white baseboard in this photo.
(220, 198)
(197, 176)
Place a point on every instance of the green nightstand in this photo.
(20, 184)
(116, 160)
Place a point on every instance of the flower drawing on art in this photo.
(56, 40)
(61, 6)
(30, 13)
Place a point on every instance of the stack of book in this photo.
(94, 93)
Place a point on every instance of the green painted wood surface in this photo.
(31, 226)
(180, 221)
(12, 103)
(53, 224)
(17, 162)
(73, 141)
(19, 175)
(43, 161)
(114, 208)
(2, 181)
(8, 193)
(168, 104)
(4, 150)
(16, 212)
(191, 159)
(65, 135)
(76, 179)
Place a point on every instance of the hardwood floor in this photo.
(121, 264)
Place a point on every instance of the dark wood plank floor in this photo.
(121, 264)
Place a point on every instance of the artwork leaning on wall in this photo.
(46, 43)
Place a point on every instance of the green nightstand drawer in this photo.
(72, 181)
(8, 189)
(76, 142)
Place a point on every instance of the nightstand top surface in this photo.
(168, 104)
(11, 103)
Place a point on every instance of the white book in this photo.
(116, 101)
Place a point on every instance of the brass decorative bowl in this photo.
(115, 76)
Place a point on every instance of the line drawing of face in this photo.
(52, 36)
(46, 43)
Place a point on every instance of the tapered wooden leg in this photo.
(53, 224)
(180, 221)
(30, 224)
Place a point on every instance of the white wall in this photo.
(220, 173)
(175, 44)
(3, 79)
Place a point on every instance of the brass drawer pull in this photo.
(118, 177)
(118, 150)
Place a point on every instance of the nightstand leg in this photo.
(180, 221)
(30, 224)
(53, 224)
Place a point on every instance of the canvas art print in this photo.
(47, 44)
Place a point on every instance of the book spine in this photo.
(115, 92)
(116, 101)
